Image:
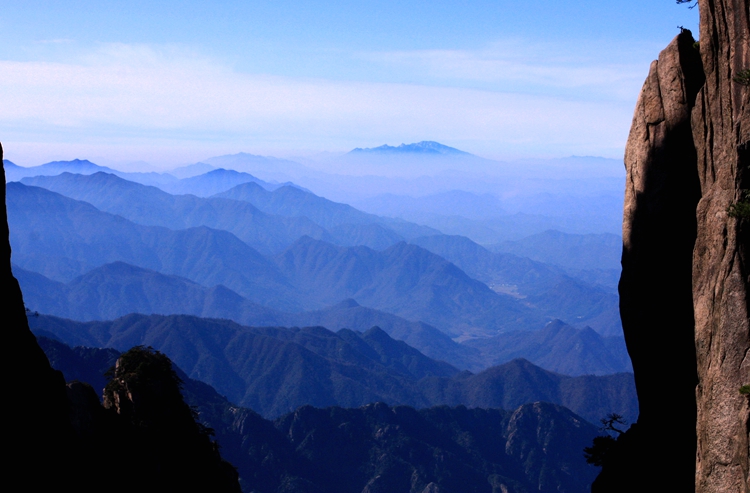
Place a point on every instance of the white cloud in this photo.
(591, 72)
(139, 94)
(57, 41)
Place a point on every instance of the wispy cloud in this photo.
(167, 92)
(58, 41)
(604, 72)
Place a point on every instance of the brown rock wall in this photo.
(721, 268)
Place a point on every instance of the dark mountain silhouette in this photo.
(80, 363)
(385, 448)
(154, 207)
(275, 370)
(272, 370)
(377, 446)
(171, 450)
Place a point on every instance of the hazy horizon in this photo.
(170, 83)
(322, 161)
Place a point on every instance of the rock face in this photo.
(684, 287)
(659, 228)
(721, 259)
(38, 423)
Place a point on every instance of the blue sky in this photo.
(174, 82)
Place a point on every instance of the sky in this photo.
(170, 83)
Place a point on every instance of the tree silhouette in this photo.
(603, 444)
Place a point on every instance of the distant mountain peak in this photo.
(424, 147)
(192, 170)
(74, 162)
(347, 303)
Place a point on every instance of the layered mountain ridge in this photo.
(381, 448)
(62, 438)
(274, 370)
(405, 280)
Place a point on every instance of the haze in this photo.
(154, 85)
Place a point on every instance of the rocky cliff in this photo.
(35, 394)
(721, 258)
(684, 286)
(60, 438)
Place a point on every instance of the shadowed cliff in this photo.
(40, 428)
(659, 230)
(684, 285)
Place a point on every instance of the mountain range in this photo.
(151, 206)
(274, 370)
(405, 280)
(95, 256)
(424, 147)
(63, 438)
(117, 289)
(544, 287)
(377, 447)
(63, 238)
(594, 258)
